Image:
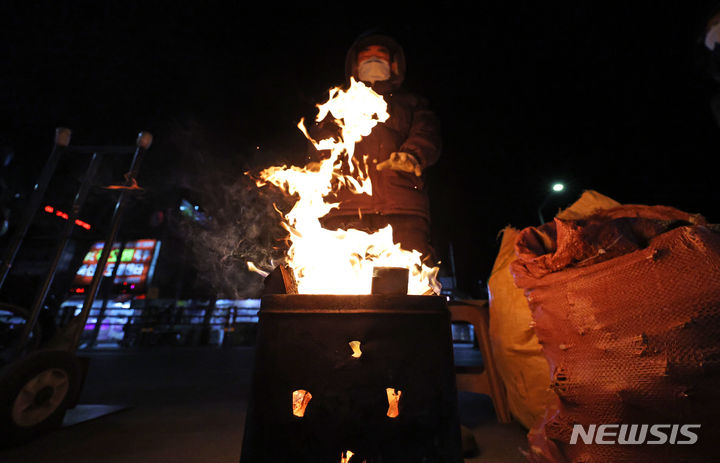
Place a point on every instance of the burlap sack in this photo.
(518, 356)
(627, 309)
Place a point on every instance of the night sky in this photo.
(610, 98)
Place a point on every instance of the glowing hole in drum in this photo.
(300, 400)
(355, 346)
(393, 396)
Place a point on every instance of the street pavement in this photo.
(189, 404)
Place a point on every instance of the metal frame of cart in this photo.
(38, 384)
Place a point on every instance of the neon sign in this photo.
(135, 267)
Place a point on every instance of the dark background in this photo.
(603, 97)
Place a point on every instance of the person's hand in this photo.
(405, 162)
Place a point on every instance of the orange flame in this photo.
(355, 346)
(341, 261)
(300, 400)
(393, 396)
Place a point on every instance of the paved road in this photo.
(188, 405)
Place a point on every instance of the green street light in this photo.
(556, 187)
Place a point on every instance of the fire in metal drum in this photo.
(304, 345)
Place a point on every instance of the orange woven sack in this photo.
(626, 305)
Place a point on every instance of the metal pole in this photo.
(62, 140)
(539, 211)
(452, 267)
(106, 294)
(143, 143)
(206, 328)
(78, 202)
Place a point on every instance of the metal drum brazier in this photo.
(372, 375)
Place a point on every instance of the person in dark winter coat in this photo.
(398, 150)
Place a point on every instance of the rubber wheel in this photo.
(35, 392)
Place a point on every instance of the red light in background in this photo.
(80, 223)
(79, 290)
(62, 215)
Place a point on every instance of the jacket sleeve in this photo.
(424, 140)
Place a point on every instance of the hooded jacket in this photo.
(411, 128)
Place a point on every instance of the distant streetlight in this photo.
(556, 187)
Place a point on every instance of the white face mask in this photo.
(374, 69)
